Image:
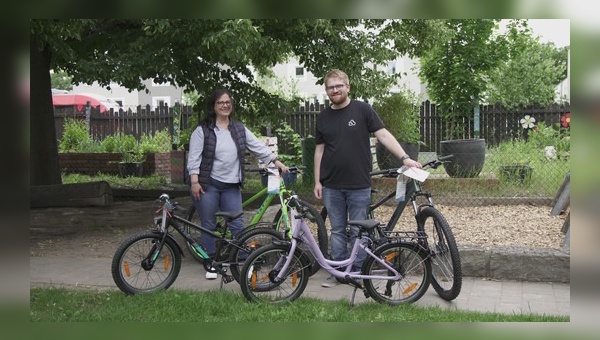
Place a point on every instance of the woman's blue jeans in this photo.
(344, 205)
(218, 196)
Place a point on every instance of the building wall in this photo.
(308, 89)
(288, 82)
(167, 93)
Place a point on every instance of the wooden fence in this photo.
(134, 122)
(496, 123)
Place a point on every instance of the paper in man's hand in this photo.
(414, 173)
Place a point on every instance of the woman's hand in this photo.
(281, 166)
(197, 190)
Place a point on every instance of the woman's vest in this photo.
(238, 134)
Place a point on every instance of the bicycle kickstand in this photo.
(353, 296)
(225, 278)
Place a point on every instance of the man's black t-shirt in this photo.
(347, 159)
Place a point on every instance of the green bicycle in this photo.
(254, 235)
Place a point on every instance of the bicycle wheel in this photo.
(259, 272)
(130, 271)
(192, 216)
(446, 276)
(315, 223)
(250, 241)
(410, 261)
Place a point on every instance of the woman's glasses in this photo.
(224, 103)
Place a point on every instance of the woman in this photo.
(216, 165)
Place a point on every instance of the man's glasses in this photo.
(223, 103)
(335, 87)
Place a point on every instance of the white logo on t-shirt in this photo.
(351, 122)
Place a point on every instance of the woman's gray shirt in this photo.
(226, 166)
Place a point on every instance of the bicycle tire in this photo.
(446, 274)
(259, 270)
(253, 239)
(322, 239)
(410, 261)
(127, 270)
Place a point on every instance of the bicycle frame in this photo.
(283, 195)
(413, 192)
(179, 223)
(301, 231)
(283, 192)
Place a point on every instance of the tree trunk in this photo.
(42, 133)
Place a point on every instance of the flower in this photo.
(528, 122)
(566, 120)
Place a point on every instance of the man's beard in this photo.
(338, 99)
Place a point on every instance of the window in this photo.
(391, 67)
(158, 101)
(299, 72)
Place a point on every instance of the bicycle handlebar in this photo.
(437, 162)
(432, 164)
(263, 171)
(303, 208)
(165, 199)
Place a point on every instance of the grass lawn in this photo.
(62, 305)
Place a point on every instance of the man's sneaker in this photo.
(211, 276)
(331, 281)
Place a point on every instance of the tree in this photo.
(456, 72)
(530, 74)
(61, 80)
(201, 55)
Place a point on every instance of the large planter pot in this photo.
(386, 160)
(131, 169)
(469, 157)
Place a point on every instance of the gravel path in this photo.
(98, 231)
(488, 226)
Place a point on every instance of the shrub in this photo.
(76, 138)
(545, 135)
(160, 142)
(126, 145)
(401, 115)
(293, 155)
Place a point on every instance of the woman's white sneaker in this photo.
(211, 276)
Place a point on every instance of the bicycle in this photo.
(440, 243)
(151, 260)
(281, 217)
(395, 271)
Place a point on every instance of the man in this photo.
(343, 161)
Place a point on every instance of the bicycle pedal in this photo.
(227, 278)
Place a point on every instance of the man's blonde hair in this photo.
(335, 73)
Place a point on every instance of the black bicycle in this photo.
(151, 260)
(446, 273)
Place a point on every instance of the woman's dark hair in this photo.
(211, 116)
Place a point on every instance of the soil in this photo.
(98, 231)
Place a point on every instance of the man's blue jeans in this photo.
(344, 205)
(218, 196)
